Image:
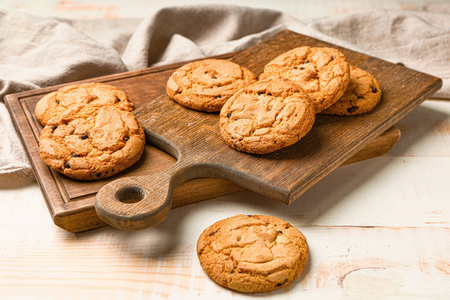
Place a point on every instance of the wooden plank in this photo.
(386, 212)
(71, 202)
(282, 175)
(388, 264)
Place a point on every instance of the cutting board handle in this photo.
(134, 203)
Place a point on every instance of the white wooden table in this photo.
(376, 229)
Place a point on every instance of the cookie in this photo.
(362, 94)
(207, 84)
(92, 146)
(252, 254)
(322, 72)
(96, 94)
(266, 116)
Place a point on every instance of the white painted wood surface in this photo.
(377, 229)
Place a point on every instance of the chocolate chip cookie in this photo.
(252, 254)
(266, 116)
(362, 95)
(95, 94)
(92, 146)
(207, 84)
(323, 73)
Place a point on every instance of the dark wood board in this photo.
(71, 203)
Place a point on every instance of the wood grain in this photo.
(71, 202)
(282, 175)
(381, 234)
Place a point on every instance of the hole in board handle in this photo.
(130, 194)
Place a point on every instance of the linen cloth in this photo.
(37, 52)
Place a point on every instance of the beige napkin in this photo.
(37, 52)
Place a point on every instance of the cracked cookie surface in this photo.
(87, 146)
(95, 94)
(323, 73)
(266, 116)
(207, 84)
(362, 95)
(252, 254)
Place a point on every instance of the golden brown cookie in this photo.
(252, 254)
(96, 94)
(207, 84)
(362, 94)
(92, 146)
(322, 72)
(266, 116)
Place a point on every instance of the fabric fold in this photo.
(37, 52)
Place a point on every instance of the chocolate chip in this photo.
(374, 89)
(74, 155)
(295, 68)
(218, 97)
(269, 94)
(352, 109)
(57, 102)
(361, 97)
(279, 231)
(66, 165)
(126, 138)
(98, 174)
(332, 58)
(229, 115)
(260, 93)
(249, 215)
(306, 62)
(54, 127)
(302, 68)
(84, 136)
(214, 232)
(214, 77)
(118, 99)
(280, 284)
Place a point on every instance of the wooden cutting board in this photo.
(193, 138)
